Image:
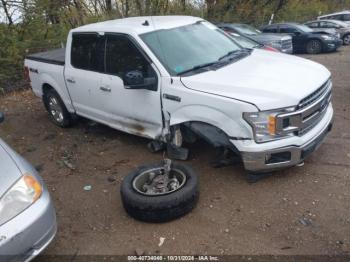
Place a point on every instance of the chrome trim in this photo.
(309, 114)
(256, 161)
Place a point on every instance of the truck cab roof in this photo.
(139, 25)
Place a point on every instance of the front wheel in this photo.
(314, 47)
(152, 194)
(346, 39)
(58, 112)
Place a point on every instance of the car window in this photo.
(327, 25)
(287, 30)
(346, 17)
(123, 56)
(87, 52)
(270, 29)
(313, 25)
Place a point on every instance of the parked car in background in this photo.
(342, 28)
(340, 16)
(27, 216)
(129, 74)
(305, 39)
(249, 43)
(282, 43)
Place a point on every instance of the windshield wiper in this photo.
(197, 67)
(234, 52)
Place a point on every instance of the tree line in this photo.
(28, 26)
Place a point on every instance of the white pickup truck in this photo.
(174, 78)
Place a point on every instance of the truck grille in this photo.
(287, 44)
(308, 113)
(314, 96)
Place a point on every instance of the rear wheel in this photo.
(314, 47)
(58, 112)
(346, 39)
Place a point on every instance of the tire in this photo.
(314, 46)
(160, 208)
(58, 112)
(346, 39)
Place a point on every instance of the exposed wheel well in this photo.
(46, 87)
(211, 134)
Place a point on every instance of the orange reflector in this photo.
(272, 125)
(34, 184)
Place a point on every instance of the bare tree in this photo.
(7, 12)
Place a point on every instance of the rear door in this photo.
(136, 111)
(297, 37)
(83, 73)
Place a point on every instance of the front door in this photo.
(136, 111)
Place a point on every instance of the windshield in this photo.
(343, 24)
(304, 28)
(247, 30)
(182, 48)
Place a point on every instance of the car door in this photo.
(136, 111)
(83, 75)
(298, 37)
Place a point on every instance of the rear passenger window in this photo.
(123, 56)
(270, 30)
(88, 52)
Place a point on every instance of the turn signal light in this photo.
(272, 125)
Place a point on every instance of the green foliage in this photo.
(44, 24)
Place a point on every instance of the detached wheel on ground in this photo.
(346, 39)
(58, 112)
(314, 47)
(160, 192)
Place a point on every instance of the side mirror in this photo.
(135, 80)
(296, 33)
(2, 117)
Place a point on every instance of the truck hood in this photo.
(266, 79)
(9, 172)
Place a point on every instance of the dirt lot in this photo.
(303, 210)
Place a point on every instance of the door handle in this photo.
(71, 80)
(105, 89)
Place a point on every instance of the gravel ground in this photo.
(302, 210)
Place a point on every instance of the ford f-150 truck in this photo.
(174, 78)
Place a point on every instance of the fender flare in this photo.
(46, 79)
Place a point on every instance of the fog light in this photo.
(279, 158)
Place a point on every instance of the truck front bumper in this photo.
(276, 158)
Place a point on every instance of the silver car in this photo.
(342, 29)
(27, 216)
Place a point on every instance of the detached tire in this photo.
(162, 207)
(58, 112)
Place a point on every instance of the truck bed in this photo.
(56, 56)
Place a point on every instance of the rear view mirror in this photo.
(2, 117)
(135, 80)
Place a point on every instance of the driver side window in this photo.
(123, 56)
(288, 30)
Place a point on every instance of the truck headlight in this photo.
(19, 197)
(264, 124)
